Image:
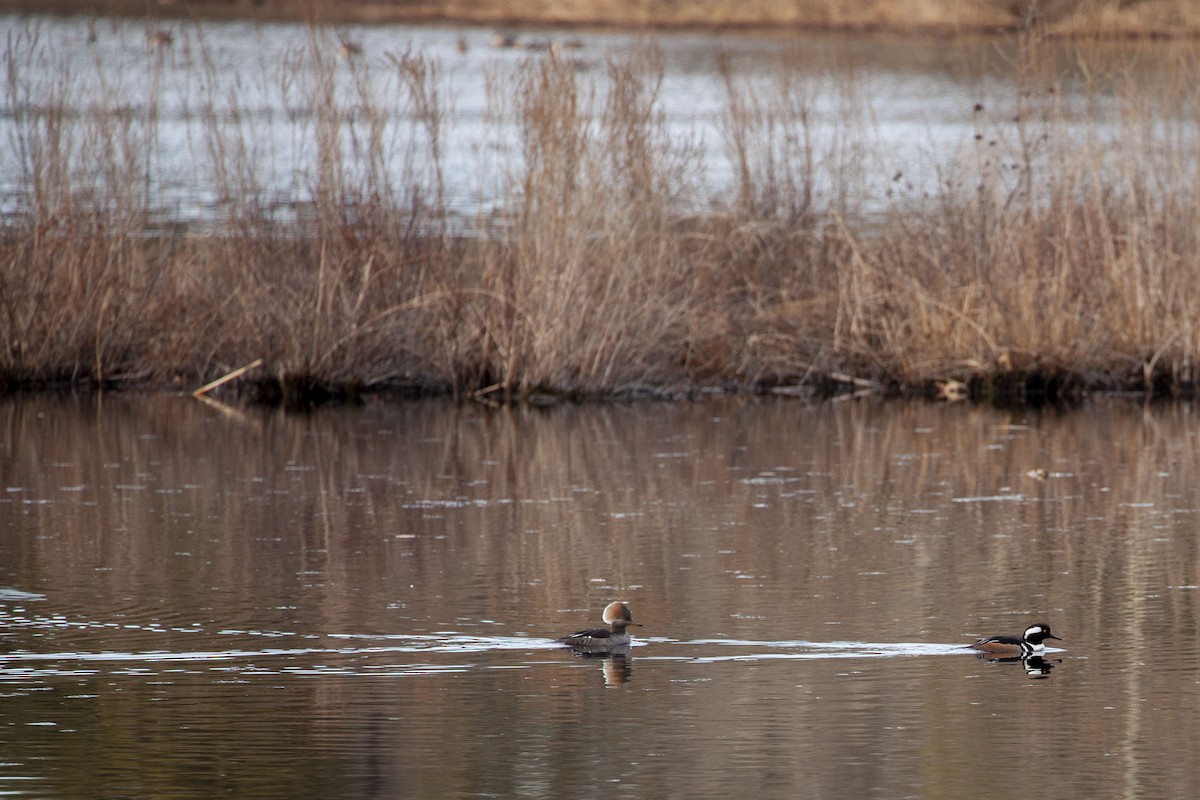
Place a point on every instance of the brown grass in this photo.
(1046, 261)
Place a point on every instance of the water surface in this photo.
(233, 107)
(200, 600)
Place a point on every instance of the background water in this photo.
(360, 602)
(888, 114)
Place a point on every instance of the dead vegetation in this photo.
(1049, 259)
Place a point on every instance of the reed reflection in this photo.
(158, 525)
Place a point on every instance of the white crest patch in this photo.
(1031, 630)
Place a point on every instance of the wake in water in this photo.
(359, 654)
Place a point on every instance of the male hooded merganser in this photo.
(1031, 641)
(603, 640)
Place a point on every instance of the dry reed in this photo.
(1048, 259)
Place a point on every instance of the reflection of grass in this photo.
(1062, 17)
(1044, 259)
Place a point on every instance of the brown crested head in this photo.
(618, 615)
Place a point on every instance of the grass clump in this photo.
(1048, 257)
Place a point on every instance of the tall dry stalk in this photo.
(1048, 249)
(74, 298)
(587, 291)
(1051, 249)
(329, 293)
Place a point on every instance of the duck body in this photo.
(604, 640)
(596, 640)
(1032, 640)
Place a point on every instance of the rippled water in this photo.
(198, 600)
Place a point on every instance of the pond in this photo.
(198, 599)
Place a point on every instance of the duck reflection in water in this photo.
(1035, 666)
(618, 669)
(616, 665)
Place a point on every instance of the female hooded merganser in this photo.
(1031, 641)
(603, 640)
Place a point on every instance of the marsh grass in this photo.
(1050, 257)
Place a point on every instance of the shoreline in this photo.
(1160, 19)
(1011, 380)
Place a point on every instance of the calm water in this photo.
(888, 114)
(199, 601)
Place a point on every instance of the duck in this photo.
(1032, 640)
(604, 640)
